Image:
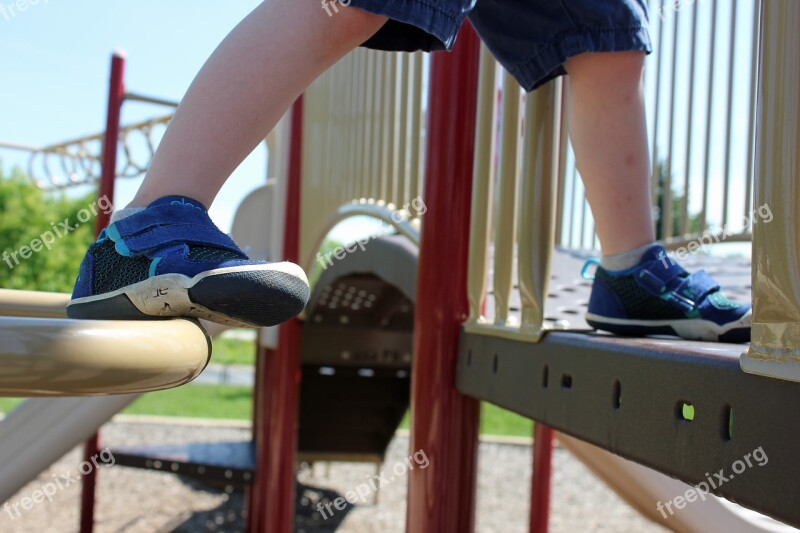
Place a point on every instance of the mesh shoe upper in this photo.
(660, 289)
(173, 235)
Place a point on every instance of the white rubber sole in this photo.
(689, 328)
(167, 295)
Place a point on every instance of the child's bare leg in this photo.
(244, 89)
(609, 134)
(637, 290)
(164, 256)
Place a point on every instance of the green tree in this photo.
(677, 206)
(28, 213)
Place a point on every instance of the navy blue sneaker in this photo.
(170, 260)
(658, 297)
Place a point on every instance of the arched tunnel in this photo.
(356, 353)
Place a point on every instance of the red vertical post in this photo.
(272, 495)
(542, 473)
(116, 95)
(445, 423)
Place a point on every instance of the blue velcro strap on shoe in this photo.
(159, 216)
(163, 236)
(657, 275)
(697, 286)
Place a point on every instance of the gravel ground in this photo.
(139, 501)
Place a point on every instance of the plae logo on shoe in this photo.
(184, 203)
(155, 293)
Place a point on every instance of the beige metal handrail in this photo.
(44, 354)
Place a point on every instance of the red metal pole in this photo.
(445, 423)
(542, 472)
(116, 95)
(272, 500)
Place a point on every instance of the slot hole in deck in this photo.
(727, 423)
(495, 364)
(617, 394)
(566, 381)
(685, 411)
(545, 376)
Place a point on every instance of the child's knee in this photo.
(628, 65)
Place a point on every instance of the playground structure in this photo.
(352, 145)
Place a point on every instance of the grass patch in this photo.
(236, 403)
(497, 421)
(189, 401)
(7, 404)
(232, 351)
(196, 401)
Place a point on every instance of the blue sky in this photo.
(54, 68)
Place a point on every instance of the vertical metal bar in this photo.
(388, 124)
(393, 127)
(666, 193)
(276, 443)
(729, 116)
(482, 186)
(416, 129)
(359, 126)
(376, 154)
(657, 114)
(751, 130)
(542, 474)
(369, 122)
(775, 347)
(402, 132)
(709, 116)
(505, 222)
(116, 96)
(562, 168)
(572, 210)
(445, 423)
(541, 156)
(584, 209)
(689, 118)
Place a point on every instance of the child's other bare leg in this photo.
(609, 133)
(638, 290)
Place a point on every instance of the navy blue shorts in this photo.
(531, 38)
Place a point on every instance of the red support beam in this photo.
(272, 496)
(116, 96)
(542, 473)
(445, 423)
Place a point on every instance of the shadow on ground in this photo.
(230, 515)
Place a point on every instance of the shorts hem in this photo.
(548, 62)
(440, 25)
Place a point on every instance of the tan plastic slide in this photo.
(643, 488)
